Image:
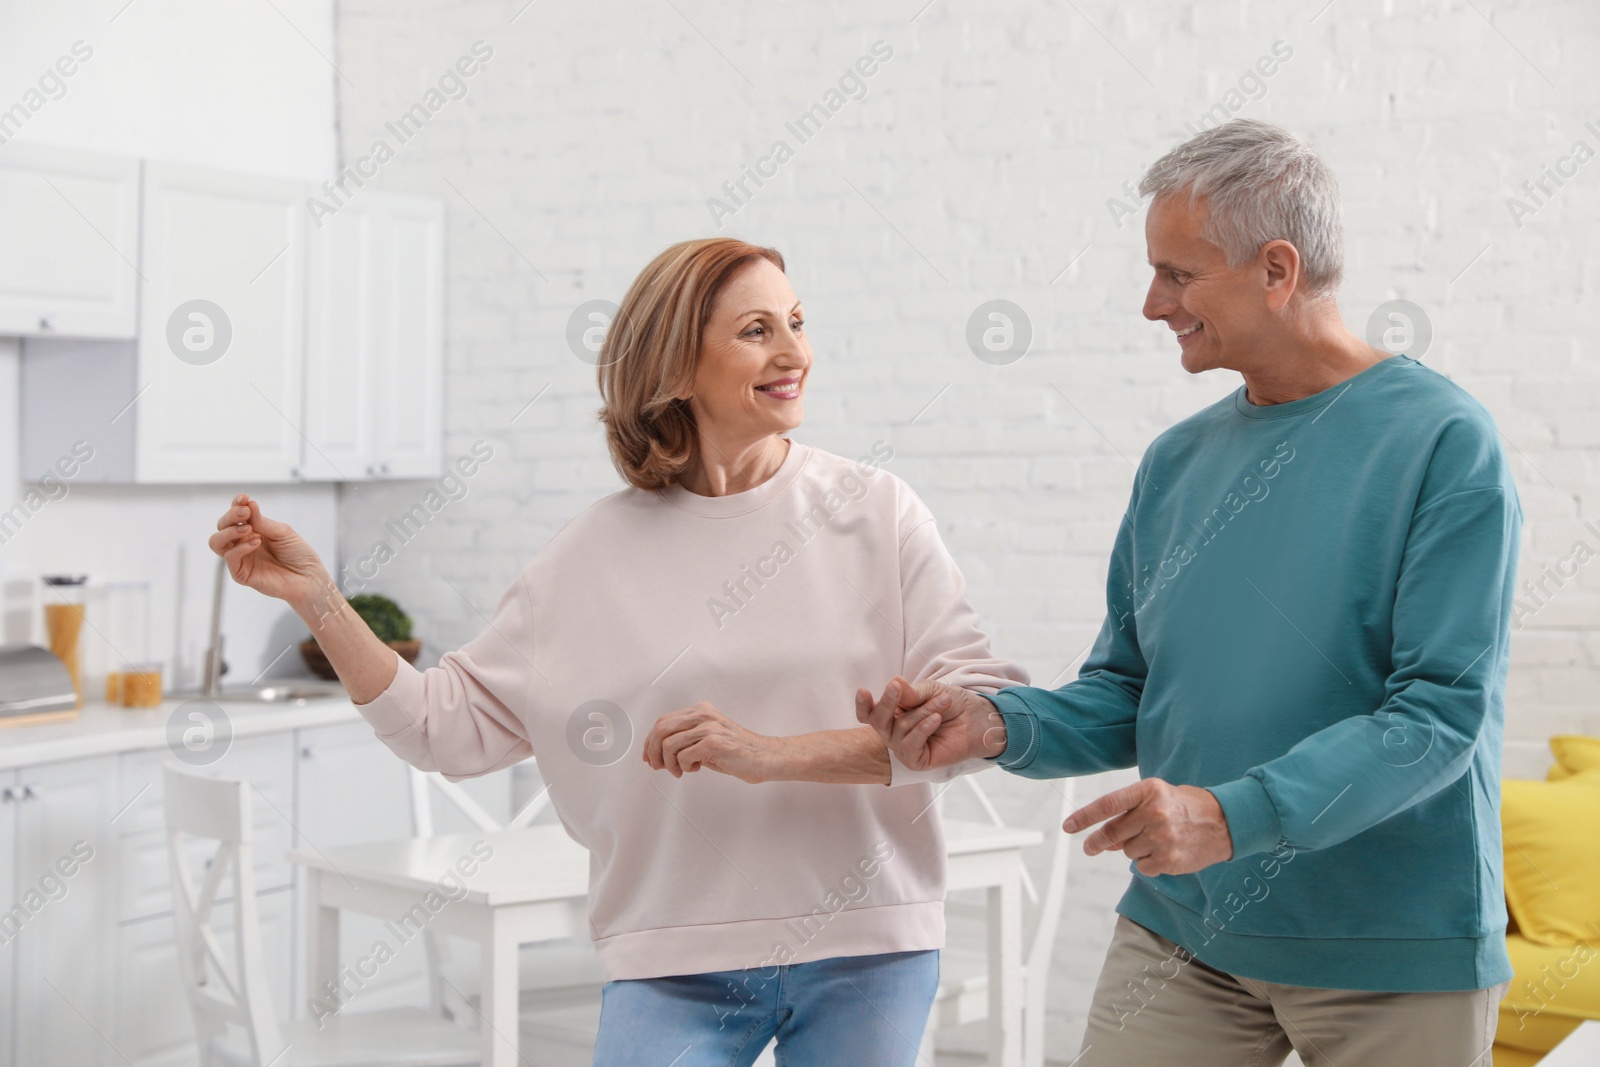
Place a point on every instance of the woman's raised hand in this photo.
(266, 555)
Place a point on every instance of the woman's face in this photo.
(754, 357)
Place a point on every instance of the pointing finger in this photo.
(1113, 803)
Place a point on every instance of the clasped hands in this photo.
(1162, 828)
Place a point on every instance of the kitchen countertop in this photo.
(102, 729)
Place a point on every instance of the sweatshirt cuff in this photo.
(900, 774)
(1253, 821)
(390, 712)
(1022, 730)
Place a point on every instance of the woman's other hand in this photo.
(701, 736)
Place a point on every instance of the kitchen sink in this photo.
(283, 692)
(267, 694)
(280, 694)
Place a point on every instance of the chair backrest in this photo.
(224, 988)
(424, 783)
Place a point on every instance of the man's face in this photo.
(1216, 312)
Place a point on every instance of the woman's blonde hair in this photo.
(652, 349)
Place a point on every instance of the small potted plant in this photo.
(392, 626)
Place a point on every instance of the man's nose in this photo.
(1157, 302)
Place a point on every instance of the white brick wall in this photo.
(978, 165)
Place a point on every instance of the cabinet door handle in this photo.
(29, 793)
(307, 752)
(9, 795)
(46, 323)
(383, 468)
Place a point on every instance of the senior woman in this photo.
(741, 590)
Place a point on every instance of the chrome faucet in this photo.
(214, 668)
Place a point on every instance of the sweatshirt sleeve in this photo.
(463, 717)
(1089, 724)
(1451, 627)
(943, 641)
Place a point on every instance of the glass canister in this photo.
(116, 644)
(63, 623)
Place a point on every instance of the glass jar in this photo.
(63, 624)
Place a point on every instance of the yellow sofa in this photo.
(1552, 860)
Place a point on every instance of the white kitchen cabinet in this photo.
(71, 245)
(9, 782)
(375, 340)
(90, 979)
(249, 344)
(63, 994)
(221, 327)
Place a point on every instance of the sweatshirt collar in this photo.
(1242, 404)
(721, 507)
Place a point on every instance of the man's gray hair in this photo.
(1260, 183)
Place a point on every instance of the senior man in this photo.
(1304, 653)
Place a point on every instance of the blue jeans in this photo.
(845, 1010)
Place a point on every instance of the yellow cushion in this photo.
(1574, 754)
(1552, 862)
(1552, 991)
(1505, 1056)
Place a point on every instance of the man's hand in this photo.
(931, 724)
(1164, 829)
(701, 736)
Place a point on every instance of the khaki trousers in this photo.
(1182, 1012)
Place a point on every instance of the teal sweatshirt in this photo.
(1308, 615)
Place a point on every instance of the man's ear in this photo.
(1280, 263)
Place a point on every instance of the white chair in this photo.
(235, 1023)
(559, 981)
(963, 994)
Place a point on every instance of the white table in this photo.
(535, 889)
(1580, 1049)
(982, 856)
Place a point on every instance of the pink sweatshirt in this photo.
(774, 605)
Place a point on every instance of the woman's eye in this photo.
(797, 325)
(754, 331)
